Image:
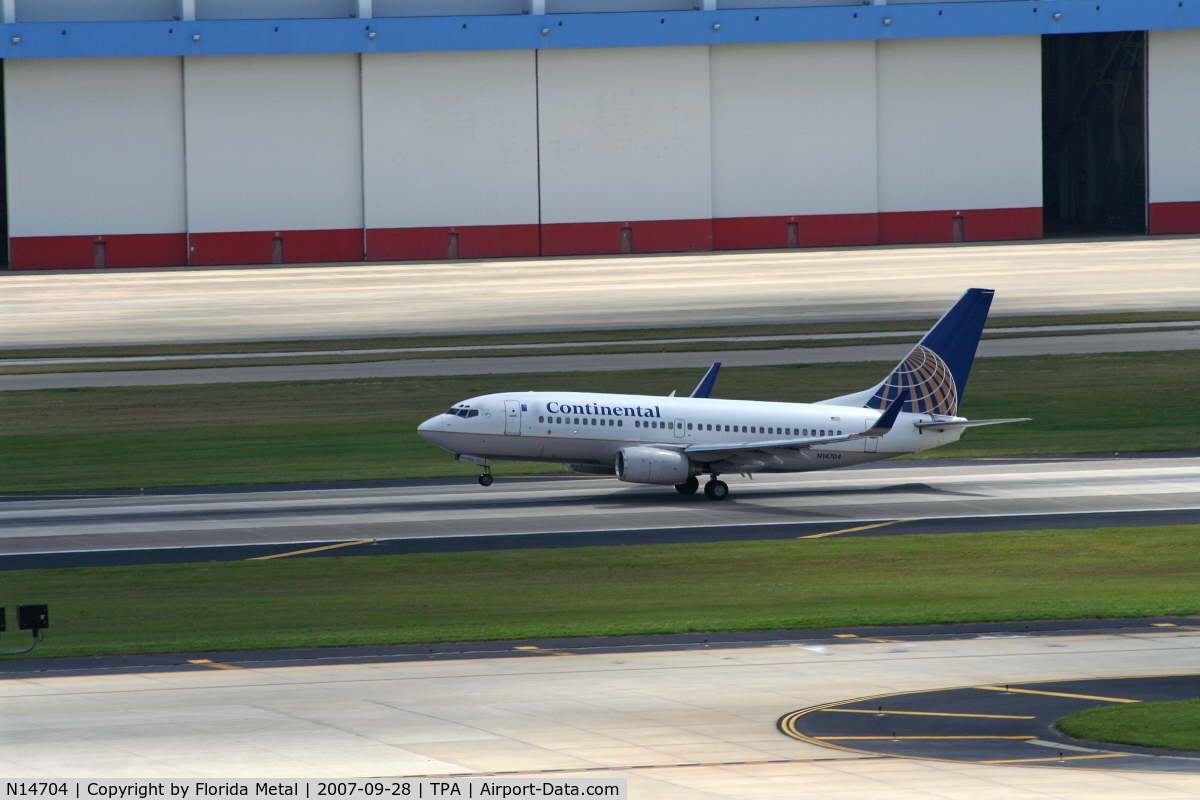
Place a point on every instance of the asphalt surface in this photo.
(200, 661)
(901, 497)
(97, 307)
(995, 724)
(1032, 346)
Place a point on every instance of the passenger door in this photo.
(678, 429)
(512, 417)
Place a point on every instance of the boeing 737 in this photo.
(674, 440)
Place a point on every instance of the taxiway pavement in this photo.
(1150, 341)
(1127, 491)
(694, 723)
(97, 307)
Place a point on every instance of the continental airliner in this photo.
(673, 441)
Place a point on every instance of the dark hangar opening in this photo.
(3, 178)
(1094, 133)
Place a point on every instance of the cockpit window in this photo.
(462, 412)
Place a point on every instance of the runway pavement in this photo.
(96, 307)
(567, 510)
(1032, 346)
(693, 723)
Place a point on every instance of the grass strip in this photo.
(221, 434)
(614, 591)
(611, 348)
(1171, 725)
(552, 337)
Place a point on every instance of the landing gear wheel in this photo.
(716, 490)
(485, 479)
(689, 486)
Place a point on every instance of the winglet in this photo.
(888, 418)
(705, 386)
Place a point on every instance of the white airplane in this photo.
(673, 440)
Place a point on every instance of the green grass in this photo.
(88, 439)
(1171, 725)
(344, 351)
(472, 340)
(591, 591)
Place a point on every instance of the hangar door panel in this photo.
(959, 123)
(1173, 112)
(273, 143)
(450, 139)
(624, 135)
(95, 146)
(777, 148)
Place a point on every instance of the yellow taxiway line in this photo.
(1058, 694)
(204, 662)
(852, 530)
(1056, 760)
(924, 713)
(313, 549)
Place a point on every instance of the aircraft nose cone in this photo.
(427, 428)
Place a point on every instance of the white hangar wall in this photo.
(624, 138)
(960, 136)
(793, 144)
(274, 158)
(306, 158)
(450, 154)
(95, 155)
(1173, 130)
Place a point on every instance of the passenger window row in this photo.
(699, 426)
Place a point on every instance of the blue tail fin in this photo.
(705, 386)
(935, 373)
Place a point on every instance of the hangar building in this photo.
(204, 132)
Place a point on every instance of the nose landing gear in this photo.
(486, 478)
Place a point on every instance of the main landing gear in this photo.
(716, 489)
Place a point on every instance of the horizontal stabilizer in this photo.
(888, 418)
(969, 423)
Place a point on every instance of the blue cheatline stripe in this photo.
(621, 29)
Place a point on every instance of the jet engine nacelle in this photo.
(654, 465)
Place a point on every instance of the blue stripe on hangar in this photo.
(618, 29)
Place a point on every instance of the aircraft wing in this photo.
(882, 425)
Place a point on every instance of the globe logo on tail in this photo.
(930, 385)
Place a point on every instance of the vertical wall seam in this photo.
(4, 198)
(537, 141)
(187, 183)
(362, 156)
(878, 136)
(712, 146)
(1146, 132)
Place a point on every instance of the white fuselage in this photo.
(591, 429)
